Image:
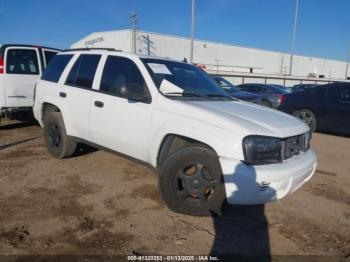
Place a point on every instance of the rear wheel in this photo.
(58, 143)
(190, 181)
(308, 117)
(266, 103)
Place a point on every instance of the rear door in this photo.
(77, 92)
(337, 108)
(22, 70)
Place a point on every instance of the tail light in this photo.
(1, 65)
(202, 66)
(282, 99)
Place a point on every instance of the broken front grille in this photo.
(295, 145)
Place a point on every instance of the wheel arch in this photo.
(172, 142)
(314, 112)
(48, 107)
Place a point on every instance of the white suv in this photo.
(206, 146)
(20, 67)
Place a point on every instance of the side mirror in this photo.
(133, 91)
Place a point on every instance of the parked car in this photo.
(288, 89)
(271, 96)
(302, 87)
(172, 116)
(233, 91)
(20, 67)
(326, 107)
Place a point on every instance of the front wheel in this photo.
(190, 181)
(308, 117)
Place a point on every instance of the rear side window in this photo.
(83, 72)
(119, 72)
(48, 56)
(22, 62)
(56, 67)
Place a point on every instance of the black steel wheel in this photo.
(190, 181)
(58, 143)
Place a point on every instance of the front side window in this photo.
(344, 97)
(340, 94)
(119, 72)
(55, 69)
(22, 61)
(194, 82)
(83, 72)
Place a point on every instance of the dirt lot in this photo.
(100, 203)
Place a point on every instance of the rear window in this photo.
(22, 62)
(56, 67)
(83, 71)
(48, 56)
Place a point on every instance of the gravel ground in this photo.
(99, 203)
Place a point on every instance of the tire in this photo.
(191, 183)
(58, 143)
(266, 103)
(308, 117)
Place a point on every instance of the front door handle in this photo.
(63, 94)
(99, 104)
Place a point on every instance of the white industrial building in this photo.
(223, 58)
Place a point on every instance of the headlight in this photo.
(263, 150)
(260, 150)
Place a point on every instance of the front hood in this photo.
(239, 116)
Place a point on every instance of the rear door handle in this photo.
(99, 104)
(63, 94)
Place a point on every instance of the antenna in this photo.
(133, 19)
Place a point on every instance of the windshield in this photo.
(191, 79)
(228, 86)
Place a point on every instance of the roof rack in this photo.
(91, 48)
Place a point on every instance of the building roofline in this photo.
(226, 44)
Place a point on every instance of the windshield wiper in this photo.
(185, 94)
(218, 95)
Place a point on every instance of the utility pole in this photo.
(293, 36)
(192, 32)
(148, 45)
(133, 19)
(217, 66)
(347, 66)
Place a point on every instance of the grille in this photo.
(264, 186)
(293, 146)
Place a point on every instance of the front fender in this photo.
(225, 143)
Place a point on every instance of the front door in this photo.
(118, 123)
(22, 70)
(337, 108)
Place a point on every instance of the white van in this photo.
(20, 68)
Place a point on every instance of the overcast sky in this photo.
(323, 25)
